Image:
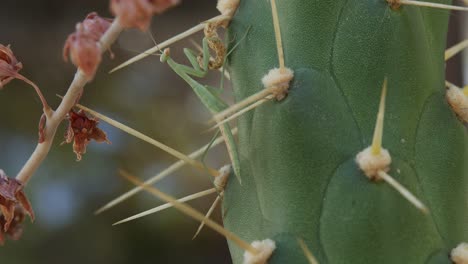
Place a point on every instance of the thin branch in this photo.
(52, 123)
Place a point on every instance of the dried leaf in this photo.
(81, 130)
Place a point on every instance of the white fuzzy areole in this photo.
(459, 102)
(460, 254)
(277, 77)
(227, 7)
(265, 248)
(221, 180)
(371, 164)
(277, 82)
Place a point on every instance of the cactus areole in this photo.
(298, 169)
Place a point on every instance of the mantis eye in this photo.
(165, 55)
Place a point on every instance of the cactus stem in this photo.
(378, 132)
(151, 141)
(429, 4)
(243, 111)
(279, 43)
(189, 211)
(403, 191)
(174, 167)
(167, 205)
(457, 48)
(308, 254)
(208, 214)
(169, 42)
(459, 255)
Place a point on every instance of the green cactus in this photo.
(299, 177)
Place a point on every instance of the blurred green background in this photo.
(147, 96)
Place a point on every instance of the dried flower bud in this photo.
(96, 25)
(83, 46)
(81, 130)
(15, 230)
(11, 196)
(84, 50)
(138, 13)
(9, 65)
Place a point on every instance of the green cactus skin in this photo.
(297, 155)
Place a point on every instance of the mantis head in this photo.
(165, 55)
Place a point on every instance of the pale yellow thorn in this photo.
(465, 90)
(167, 205)
(149, 140)
(403, 191)
(240, 105)
(208, 214)
(169, 42)
(378, 132)
(189, 211)
(243, 111)
(433, 5)
(308, 254)
(279, 43)
(174, 167)
(457, 48)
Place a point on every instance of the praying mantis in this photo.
(205, 93)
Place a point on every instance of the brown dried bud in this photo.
(9, 65)
(15, 230)
(138, 13)
(11, 196)
(81, 130)
(83, 45)
(96, 25)
(83, 50)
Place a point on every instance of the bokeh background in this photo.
(147, 96)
